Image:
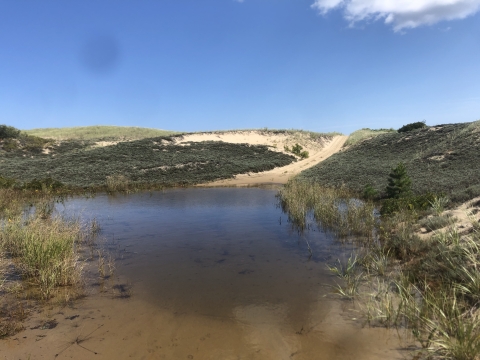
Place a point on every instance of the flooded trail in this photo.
(204, 274)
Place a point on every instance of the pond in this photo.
(215, 273)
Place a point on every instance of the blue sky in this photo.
(190, 65)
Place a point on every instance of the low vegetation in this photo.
(412, 126)
(98, 133)
(42, 255)
(440, 159)
(428, 286)
(365, 134)
(148, 162)
(297, 150)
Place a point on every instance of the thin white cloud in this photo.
(401, 14)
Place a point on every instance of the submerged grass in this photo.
(333, 208)
(428, 286)
(42, 255)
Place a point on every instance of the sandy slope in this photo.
(319, 150)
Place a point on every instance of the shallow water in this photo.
(212, 274)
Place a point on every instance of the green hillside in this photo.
(442, 158)
(147, 162)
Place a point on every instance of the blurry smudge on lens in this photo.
(100, 54)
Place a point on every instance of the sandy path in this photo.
(282, 174)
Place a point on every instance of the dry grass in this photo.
(98, 132)
(365, 134)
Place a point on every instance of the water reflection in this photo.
(220, 274)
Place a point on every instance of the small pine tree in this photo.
(399, 182)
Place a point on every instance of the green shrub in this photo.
(399, 183)
(33, 143)
(412, 126)
(46, 184)
(10, 144)
(7, 132)
(296, 149)
(412, 202)
(369, 192)
(6, 183)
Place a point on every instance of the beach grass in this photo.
(98, 132)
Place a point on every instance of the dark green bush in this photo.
(412, 202)
(297, 149)
(399, 183)
(7, 132)
(412, 126)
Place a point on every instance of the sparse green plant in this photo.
(438, 204)
(350, 275)
(377, 262)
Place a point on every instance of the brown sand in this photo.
(102, 328)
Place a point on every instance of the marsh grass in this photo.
(334, 209)
(117, 182)
(44, 251)
(429, 287)
(350, 274)
(43, 255)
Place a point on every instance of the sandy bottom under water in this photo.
(204, 274)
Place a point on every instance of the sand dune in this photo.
(319, 150)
